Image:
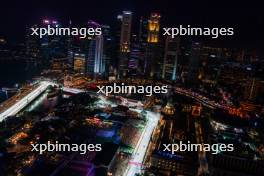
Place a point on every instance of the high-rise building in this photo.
(108, 54)
(126, 20)
(171, 53)
(153, 63)
(95, 59)
(153, 28)
(194, 61)
(70, 48)
(143, 31)
(79, 63)
(142, 45)
(134, 59)
(97, 50)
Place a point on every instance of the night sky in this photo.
(246, 18)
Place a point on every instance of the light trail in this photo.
(142, 145)
(72, 90)
(212, 104)
(18, 106)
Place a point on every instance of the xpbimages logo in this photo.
(59, 147)
(82, 32)
(198, 31)
(125, 89)
(181, 147)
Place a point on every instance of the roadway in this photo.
(210, 103)
(140, 150)
(72, 90)
(19, 105)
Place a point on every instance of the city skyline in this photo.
(246, 19)
(131, 88)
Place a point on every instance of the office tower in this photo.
(135, 56)
(153, 63)
(126, 20)
(108, 48)
(95, 59)
(171, 53)
(90, 53)
(142, 44)
(79, 63)
(70, 50)
(194, 61)
(143, 31)
(45, 43)
(134, 59)
(95, 63)
(153, 28)
(70, 57)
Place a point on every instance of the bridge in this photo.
(210, 103)
(18, 105)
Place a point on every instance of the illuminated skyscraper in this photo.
(153, 28)
(142, 39)
(169, 70)
(70, 50)
(108, 53)
(153, 62)
(95, 59)
(126, 20)
(95, 56)
(143, 31)
(134, 58)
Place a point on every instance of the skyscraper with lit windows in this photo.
(95, 59)
(171, 53)
(153, 61)
(153, 28)
(125, 33)
(126, 19)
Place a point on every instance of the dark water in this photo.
(13, 72)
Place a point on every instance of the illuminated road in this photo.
(72, 90)
(210, 103)
(19, 105)
(136, 162)
(205, 101)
